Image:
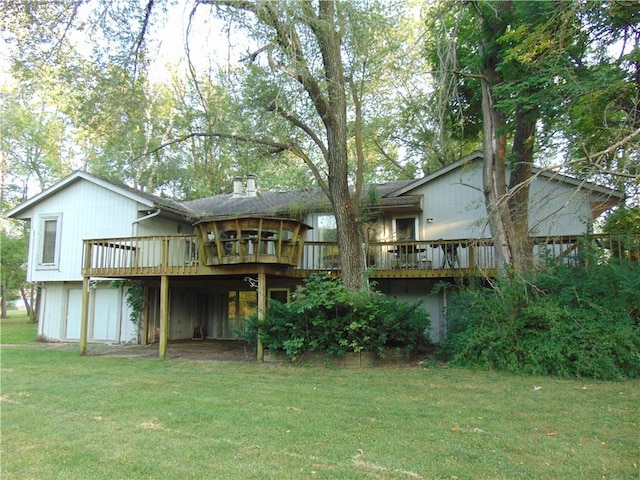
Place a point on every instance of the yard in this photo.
(107, 417)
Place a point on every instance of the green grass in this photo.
(71, 417)
(17, 329)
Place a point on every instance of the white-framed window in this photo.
(405, 228)
(48, 234)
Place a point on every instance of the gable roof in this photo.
(549, 174)
(146, 199)
(263, 203)
(389, 195)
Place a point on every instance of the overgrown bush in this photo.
(564, 321)
(323, 316)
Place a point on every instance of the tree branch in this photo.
(141, 35)
(302, 126)
(609, 150)
(277, 147)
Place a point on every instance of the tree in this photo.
(32, 143)
(304, 86)
(322, 89)
(537, 66)
(13, 252)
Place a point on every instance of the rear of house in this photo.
(418, 233)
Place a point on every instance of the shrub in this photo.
(564, 321)
(323, 316)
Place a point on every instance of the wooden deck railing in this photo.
(169, 254)
(179, 255)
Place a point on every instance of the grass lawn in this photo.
(71, 417)
(17, 328)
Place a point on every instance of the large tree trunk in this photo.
(335, 120)
(494, 183)
(328, 96)
(508, 210)
(494, 140)
(518, 200)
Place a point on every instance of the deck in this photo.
(180, 255)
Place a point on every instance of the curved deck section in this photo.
(249, 239)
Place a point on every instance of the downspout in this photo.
(146, 217)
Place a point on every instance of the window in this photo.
(405, 228)
(49, 241)
(279, 294)
(328, 256)
(327, 230)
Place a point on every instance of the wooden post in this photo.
(165, 254)
(84, 316)
(472, 257)
(262, 307)
(164, 315)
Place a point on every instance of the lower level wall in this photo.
(221, 312)
(218, 309)
(420, 290)
(61, 311)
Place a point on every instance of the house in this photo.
(205, 265)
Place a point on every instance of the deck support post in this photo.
(262, 307)
(84, 316)
(164, 315)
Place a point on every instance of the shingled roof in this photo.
(273, 204)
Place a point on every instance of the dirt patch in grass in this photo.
(228, 350)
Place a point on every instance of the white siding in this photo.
(558, 208)
(161, 226)
(88, 211)
(52, 311)
(73, 314)
(455, 204)
(109, 316)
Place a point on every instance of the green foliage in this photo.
(13, 259)
(324, 316)
(625, 220)
(133, 297)
(563, 321)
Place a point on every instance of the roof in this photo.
(263, 203)
(284, 203)
(389, 195)
(547, 173)
(146, 199)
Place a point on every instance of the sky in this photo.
(208, 42)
